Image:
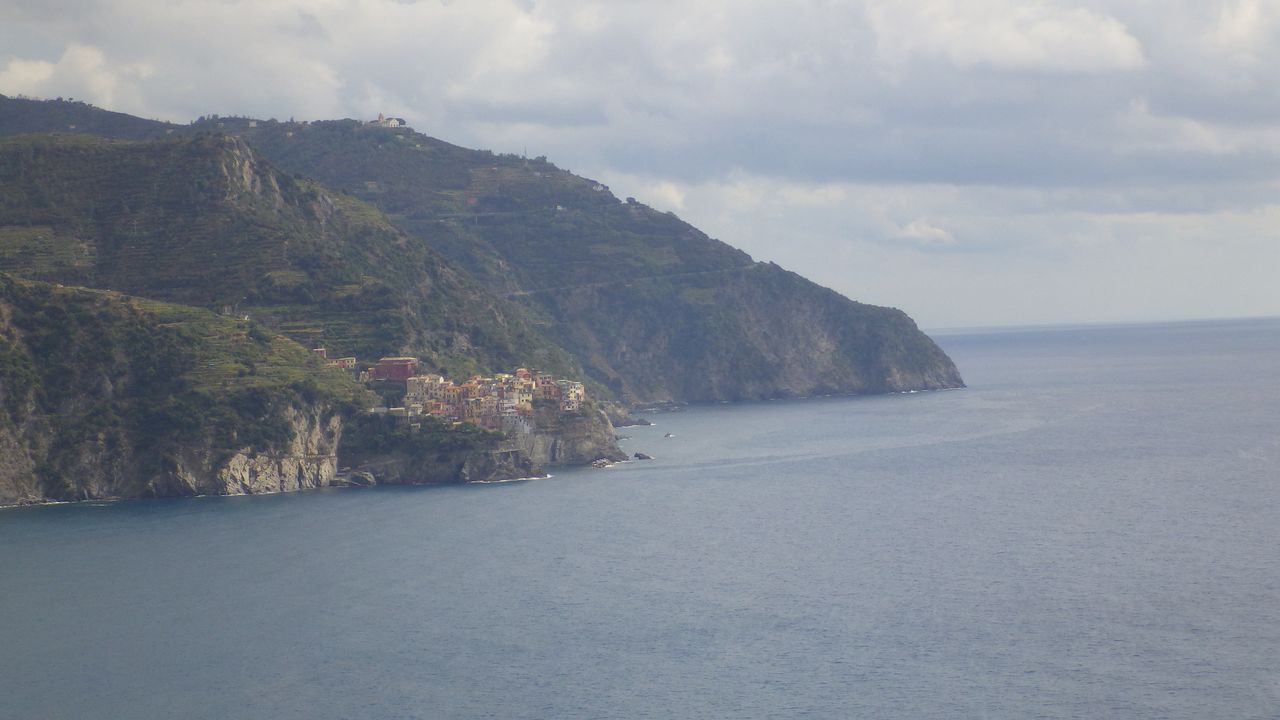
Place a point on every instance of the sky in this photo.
(973, 162)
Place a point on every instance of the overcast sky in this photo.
(973, 162)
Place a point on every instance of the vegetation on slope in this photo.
(653, 308)
(24, 115)
(101, 384)
(202, 221)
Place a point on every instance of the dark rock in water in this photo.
(642, 456)
(629, 421)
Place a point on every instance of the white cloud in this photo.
(977, 161)
(1244, 31)
(921, 232)
(1007, 34)
(82, 71)
(25, 76)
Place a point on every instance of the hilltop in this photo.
(653, 309)
(26, 115)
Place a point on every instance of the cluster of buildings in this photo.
(489, 402)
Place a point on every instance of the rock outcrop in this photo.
(405, 467)
(552, 438)
(310, 460)
(526, 447)
(107, 396)
(98, 469)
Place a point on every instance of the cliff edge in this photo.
(107, 396)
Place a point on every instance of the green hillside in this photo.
(653, 308)
(202, 220)
(100, 391)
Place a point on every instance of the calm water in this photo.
(1092, 530)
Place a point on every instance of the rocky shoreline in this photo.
(312, 460)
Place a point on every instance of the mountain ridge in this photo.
(654, 309)
(523, 227)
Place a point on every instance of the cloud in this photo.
(1005, 34)
(1244, 32)
(956, 256)
(921, 232)
(881, 146)
(26, 76)
(82, 71)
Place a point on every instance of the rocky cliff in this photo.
(379, 452)
(309, 460)
(753, 333)
(552, 438)
(104, 395)
(94, 469)
(107, 396)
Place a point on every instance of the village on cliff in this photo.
(494, 403)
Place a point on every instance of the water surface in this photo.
(1088, 531)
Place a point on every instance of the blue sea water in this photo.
(1090, 530)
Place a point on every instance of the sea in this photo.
(1090, 530)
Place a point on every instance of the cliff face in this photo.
(406, 467)
(310, 460)
(97, 468)
(105, 396)
(437, 454)
(752, 333)
(553, 438)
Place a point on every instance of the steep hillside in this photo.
(652, 307)
(203, 221)
(104, 395)
(755, 333)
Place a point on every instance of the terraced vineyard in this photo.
(203, 221)
(241, 354)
